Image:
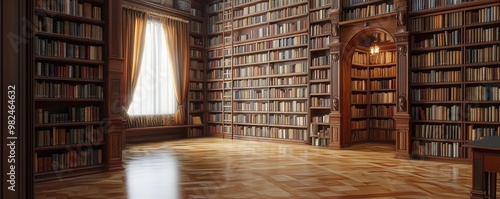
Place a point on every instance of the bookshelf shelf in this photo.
(67, 60)
(63, 79)
(62, 16)
(70, 146)
(353, 21)
(70, 38)
(59, 100)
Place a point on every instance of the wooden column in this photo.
(115, 124)
(402, 117)
(335, 49)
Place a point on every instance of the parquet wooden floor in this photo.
(217, 168)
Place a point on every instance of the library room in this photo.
(171, 99)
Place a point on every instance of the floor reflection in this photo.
(152, 175)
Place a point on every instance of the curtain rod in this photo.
(149, 12)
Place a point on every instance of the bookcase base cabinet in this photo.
(335, 128)
(402, 135)
(114, 146)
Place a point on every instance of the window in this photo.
(154, 92)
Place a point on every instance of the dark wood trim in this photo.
(152, 134)
(17, 33)
(162, 9)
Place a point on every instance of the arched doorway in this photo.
(368, 89)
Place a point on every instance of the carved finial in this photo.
(402, 103)
(336, 103)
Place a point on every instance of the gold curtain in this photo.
(134, 31)
(176, 34)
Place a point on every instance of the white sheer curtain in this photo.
(154, 93)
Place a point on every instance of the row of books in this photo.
(250, 21)
(382, 111)
(62, 136)
(321, 88)
(294, 80)
(321, 61)
(320, 42)
(320, 29)
(483, 15)
(482, 93)
(477, 133)
(219, 63)
(288, 54)
(359, 72)
(282, 3)
(482, 34)
(295, 120)
(358, 85)
(251, 118)
(436, 112)
(417, 5)
(283, 68)
(250, 83)
(485, 54)
(320, 119)
(46, 47)
(353, 2)
(434, 22)
(195, 27)
(320, 102)
(67, 160)
(288, 12)
(383, 97)
(251, 94)
(482, 73)
(274, 29)
(358, 112)
(196, 74)
(71, 7)
(69, 91)
(383, 71)
(438, 131)
(82, 30)
(256, 71)
(195, 53)
(369, 11)
(245, 106)
(196, 64)
(438, 58)
(440, 149)
(320, 74)
(436, 94)
(271, 132)
(382, 123)
(72, 114)
(483, 114)
(265, 45)
(69, 71)
(319, 14)
(435, 76)
(217, 106)
(358, 98)
(195, 106)
(260, 7)
(445, 38)
(295, 92)
(196, 12)
(252, 59)
(383, 84)
(214, 85)
(196, 95)
(359, 124)
(319, 3)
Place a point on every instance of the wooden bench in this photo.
(150, 134)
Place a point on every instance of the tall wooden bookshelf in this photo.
(70, 87)
(319, 72)
(257, 69)
(197, 59)
(454, 76)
